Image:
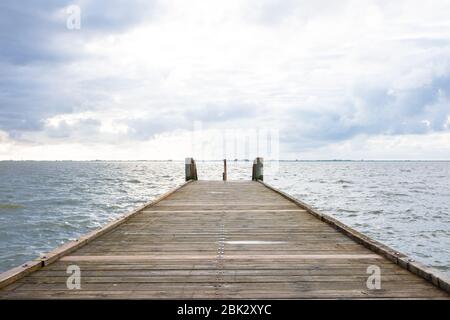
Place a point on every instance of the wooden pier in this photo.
(224, 239)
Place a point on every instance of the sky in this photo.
(149, 79)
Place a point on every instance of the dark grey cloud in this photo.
(36, 31)
(111, 16)
(406, 111)
(83, 128)
(26, 98)
(372, 111)
(26, 31)
(35, 43)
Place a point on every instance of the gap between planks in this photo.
(229, 257)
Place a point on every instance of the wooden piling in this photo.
(224, 174)
(257, 171)
(190, 169)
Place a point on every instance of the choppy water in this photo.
(405, 205)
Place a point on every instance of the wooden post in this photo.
(257, 172)
(187, 168)
(190, 169)
(253, 170)
(224, 175)
(194, 170)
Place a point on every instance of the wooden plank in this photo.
(227, 211)
(437, 278)
(215, 239)
(16, 273)
(72, 258)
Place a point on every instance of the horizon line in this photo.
(230, 160)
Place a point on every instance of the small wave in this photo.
(113, 207)
(347, 211)
(134, 181)
(66, 202)
(11, 206)
(341, 181)
(395, 194)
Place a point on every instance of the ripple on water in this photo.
(133, 181)
(65, 202)
(342, 181)
(375, 212)
(12, 206)
(346, 210)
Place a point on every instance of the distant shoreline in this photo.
(231, 160)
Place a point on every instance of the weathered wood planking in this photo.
(214, 239)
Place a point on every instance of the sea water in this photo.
(405, 205)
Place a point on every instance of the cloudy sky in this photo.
(335, 79)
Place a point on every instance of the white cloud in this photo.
(106, 124)
(327, 73)
(383, 147)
